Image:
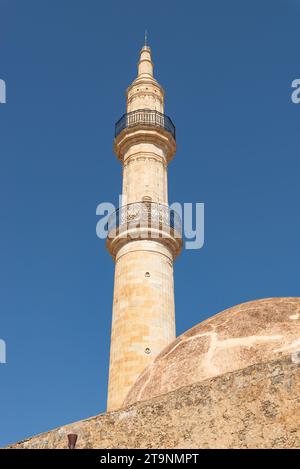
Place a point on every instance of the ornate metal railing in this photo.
(148, 215)
(145, 117)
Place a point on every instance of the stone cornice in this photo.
(163, 235)
(143, 156)
(141, 81)
(144, 134)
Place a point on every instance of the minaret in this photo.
(144, 235)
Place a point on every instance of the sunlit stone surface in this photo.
(253, 332)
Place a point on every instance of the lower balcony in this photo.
(144, 221)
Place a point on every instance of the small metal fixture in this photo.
(72, 439)
(147, 350)
(147, 274)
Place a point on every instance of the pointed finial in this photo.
(145, 65)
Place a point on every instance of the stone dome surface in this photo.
(246, 334)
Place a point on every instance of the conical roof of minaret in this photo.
(145, 64)
(145, 76)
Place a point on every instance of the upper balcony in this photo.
(145, 118)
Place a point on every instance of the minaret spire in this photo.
(145, 64)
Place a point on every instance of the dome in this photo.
(250, 333)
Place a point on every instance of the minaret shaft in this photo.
(143, 313)
(143, 320)
(145, 174)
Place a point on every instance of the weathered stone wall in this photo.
(256, 407)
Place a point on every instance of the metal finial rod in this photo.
(146, 37)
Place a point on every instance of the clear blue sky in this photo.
(227, 68)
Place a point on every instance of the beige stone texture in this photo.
(256, 407)
(143, 313)
(246, 334)
(145, 174)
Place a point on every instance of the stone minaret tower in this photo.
(144, 235)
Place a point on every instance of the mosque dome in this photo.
(246, 334)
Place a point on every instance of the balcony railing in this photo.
(145, 117)
(148, 215)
